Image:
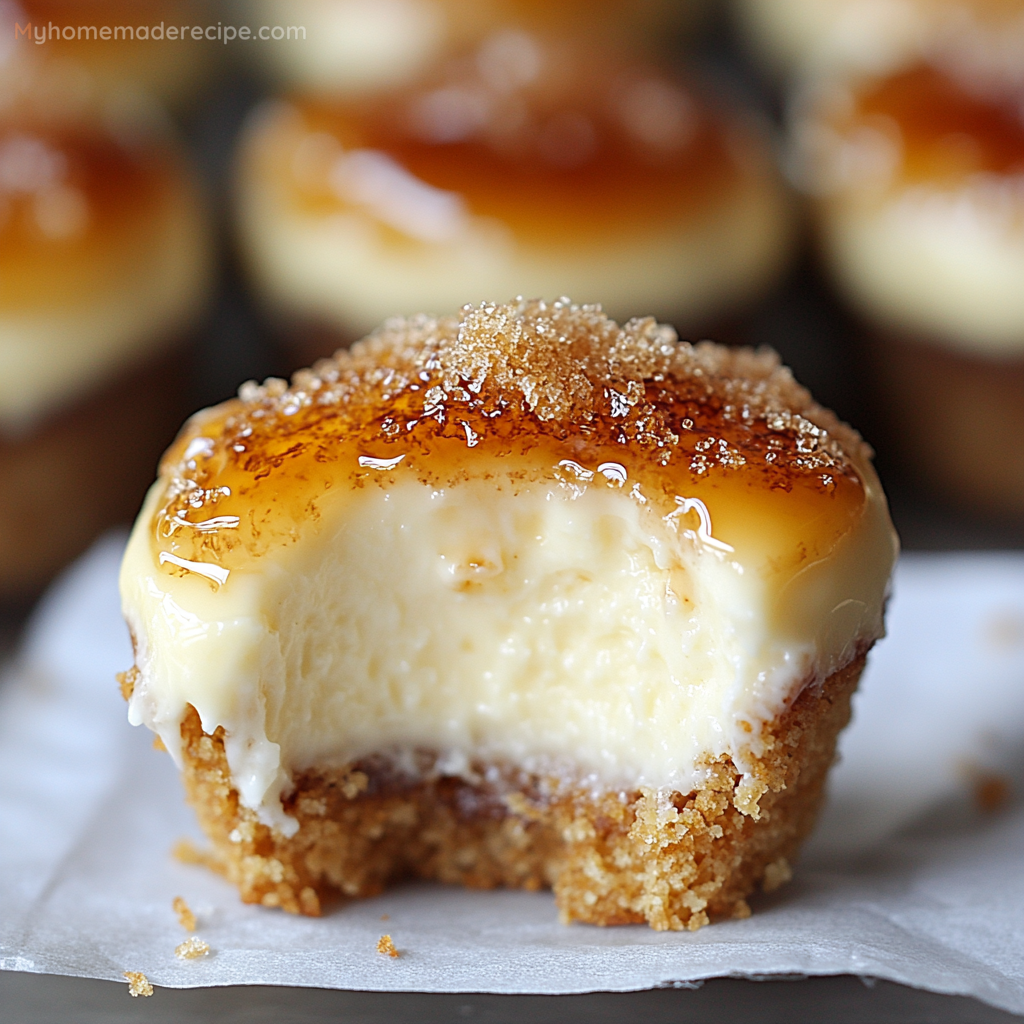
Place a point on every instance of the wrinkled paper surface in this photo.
(905, 878)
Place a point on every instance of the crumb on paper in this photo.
(138, 984)
(385, 917)
(186, 918)
(192, 949)
(386, 947)
(991, 792)
(776, 874)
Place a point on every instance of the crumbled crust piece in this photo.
(186, 918)
(138, 984)
(192, 949)
(386, 947)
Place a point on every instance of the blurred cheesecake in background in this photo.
(104, 270)
(137, 54)
(353, 47)
(527, 166)
(792, 36)
(918, 179)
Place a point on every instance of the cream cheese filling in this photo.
(556, 628)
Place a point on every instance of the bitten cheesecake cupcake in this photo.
(116, 44)
(104, 262)
(919, 181)
(515, 597)
(352, 47)
(526, 168)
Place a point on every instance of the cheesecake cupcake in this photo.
(512, 597)
(355, 47)
(104, 268)
(918, 180)
(116, 44)
(527, 167)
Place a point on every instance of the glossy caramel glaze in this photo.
(521, 393)
(541, 138)
(947, 130)
(79, 209)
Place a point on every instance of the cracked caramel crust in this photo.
(675, 861)
(499, 380)
(546, 368)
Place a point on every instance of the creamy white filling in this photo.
(567, 629)
(946, 263)
(349, 269)
(52, 355)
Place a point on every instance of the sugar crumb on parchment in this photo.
(138, 984)
(386, 947)
(186, 918)
(192, 949)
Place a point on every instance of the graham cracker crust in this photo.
(612, 858)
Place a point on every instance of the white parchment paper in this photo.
(905, 879)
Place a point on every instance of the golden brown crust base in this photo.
(612, 858)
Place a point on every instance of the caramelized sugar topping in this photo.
(541, 139)
(947, 130)
(529, 391)
(78, 208)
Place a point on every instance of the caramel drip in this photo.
(78, 210)
(595, 149)
(948, 132)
